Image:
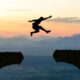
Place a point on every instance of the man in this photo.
(36, 27)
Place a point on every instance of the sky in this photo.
(14, 16)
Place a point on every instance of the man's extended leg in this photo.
(36, 31)
(47, 31)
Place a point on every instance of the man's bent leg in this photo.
(36, 31)
(47, 31)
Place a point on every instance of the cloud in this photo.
(19, 10)
(66, 20)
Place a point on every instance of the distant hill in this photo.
(39, 46)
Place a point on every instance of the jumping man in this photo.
(36, 27)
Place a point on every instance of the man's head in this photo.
(41, 18)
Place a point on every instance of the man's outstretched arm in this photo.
(47, 17)
(31, 20)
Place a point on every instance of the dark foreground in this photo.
(40, 68)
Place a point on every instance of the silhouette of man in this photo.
(36, 27)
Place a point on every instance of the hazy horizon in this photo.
(40, 45)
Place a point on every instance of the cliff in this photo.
(9, 58)
(68, 56)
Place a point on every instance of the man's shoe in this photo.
(48, 31)
(31, 33)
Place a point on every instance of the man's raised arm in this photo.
(47, 17)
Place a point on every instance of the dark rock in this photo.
(9, 58)
(68, 56)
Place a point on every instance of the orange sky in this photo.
(12, 28)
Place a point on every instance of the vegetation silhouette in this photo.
(9, 58)
(68, 56)
(37, 27)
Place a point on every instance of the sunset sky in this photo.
(14, 16)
